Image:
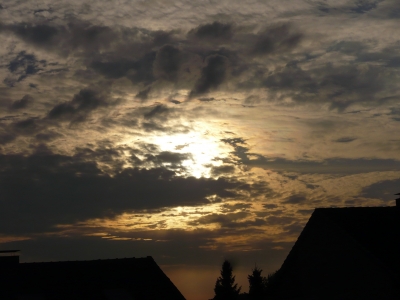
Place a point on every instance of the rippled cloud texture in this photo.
(192, 131)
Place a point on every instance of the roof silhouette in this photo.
(127, 278)
(344, 253)
(9, 251)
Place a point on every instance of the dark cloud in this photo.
(21, 127)
(36, 34)
(47, 136)
(80, 106)
(171, 159)
(47, 189)
(270, 206)
(215, 31)
(345, 139)
(341, 86)
(143, 71)
(383, 190)
(143, 94)
(76, 35)
(394, 62)
(296, 199)
(348, 47)
(280, 220)
(292, 77)
(154, 126)
(167, 63)
(395, 113)
(61, 110)
(21, 67)
(224, 220)
(138, 71)
(221, 170)
(241, 151)
(114, 69)
(212, 75)
(363, 6)
(26, 127)
(324, 8)
(234, 141)
(334, 165)
(242, 155)
(235, 207)
(306, 212)
(294, 229)
(277, 38)
(156, 111)
(206, 99)
(22, 103)
(6, 137)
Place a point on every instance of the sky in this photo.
(192, 131)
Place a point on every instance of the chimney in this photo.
(9, 258)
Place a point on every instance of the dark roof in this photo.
(9, 251)
(127, 278)
(358, 241)
(377, 229)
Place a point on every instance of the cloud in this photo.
(345, 139)
(383, 190)
(26, 127)
(234, 207)
(113, 69)
(296, 199)
(138, 71)
(224, 220)
(156, 111)
(22, 103)
(39, 34)
(144, 94)
(212, 75)
(276, 38)
(47, 136)
(174, 160)
(6, 137)
(363, 6)
(215, 32)
(76, 110)
(45, 189)
(220, 170)
(241, 155)
(280, 220)
(341, 86)
(167, 63)
(63, 39)
(21, 67)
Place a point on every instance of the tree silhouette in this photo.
(257, 284)
(225, 286)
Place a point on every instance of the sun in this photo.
(202, 150)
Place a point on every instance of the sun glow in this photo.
(202, 151)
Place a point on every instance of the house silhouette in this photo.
(109, 279)
(344, 253)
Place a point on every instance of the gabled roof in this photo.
(9, 251)
(376, 229)
(344, 253)
(127, 278)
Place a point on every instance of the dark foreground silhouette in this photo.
(342, 253)
(122, 279)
